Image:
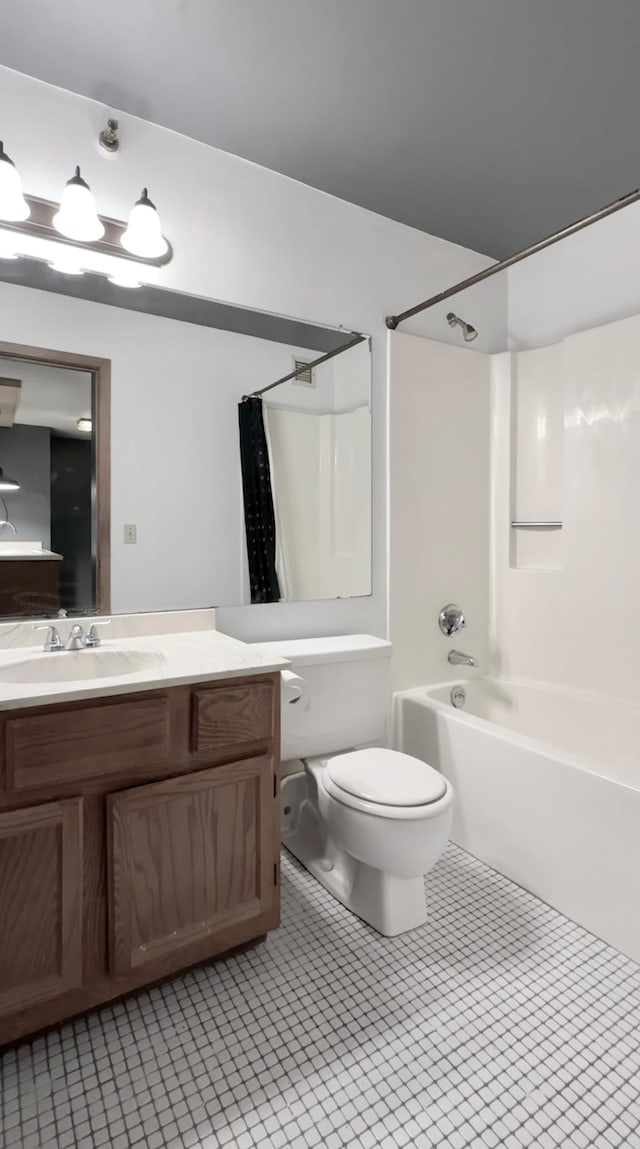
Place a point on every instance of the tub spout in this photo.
(457, 658)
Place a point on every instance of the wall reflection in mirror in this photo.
(46, 455)
(185, 519)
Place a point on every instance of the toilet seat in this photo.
(386, 783)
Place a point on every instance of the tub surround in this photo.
(566, 436)
(139, 819)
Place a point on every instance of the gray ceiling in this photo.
(487, 122)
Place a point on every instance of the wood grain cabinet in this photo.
(40, 903)
(189, 859)
(139, 835)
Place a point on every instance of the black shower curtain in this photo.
(259, 517)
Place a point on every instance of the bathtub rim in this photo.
(504, 733)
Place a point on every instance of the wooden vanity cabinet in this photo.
(30, 587)
(188, 858)
(40, 904)
(139, 835)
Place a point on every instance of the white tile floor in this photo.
(498, 1023)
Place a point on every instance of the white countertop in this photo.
(26, 551)
(197, 656)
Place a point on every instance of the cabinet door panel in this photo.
(188, 857)
(40, 903)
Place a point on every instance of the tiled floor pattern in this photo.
(500, 1023)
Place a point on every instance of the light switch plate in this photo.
(130, 533)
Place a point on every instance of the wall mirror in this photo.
(54, 483)
(149, 464)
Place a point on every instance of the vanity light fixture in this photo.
(13, 206)
(85, 424)
(71, 237)
(144, 236)
(108, 138)
(7, 484)
(78, 218)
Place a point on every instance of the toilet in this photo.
(367, 822)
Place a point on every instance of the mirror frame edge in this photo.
(100, 370)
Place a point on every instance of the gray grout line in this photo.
(498, 1023)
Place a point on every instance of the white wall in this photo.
(25, 454)
(252, 237)
(439, 484)
(589, 279)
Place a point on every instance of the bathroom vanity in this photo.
(139, 828)
(139, 807)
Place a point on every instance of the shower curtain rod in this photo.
(393, 321)
(308, 366)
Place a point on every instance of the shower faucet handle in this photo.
(451, 619)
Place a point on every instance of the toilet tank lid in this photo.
(337, 648)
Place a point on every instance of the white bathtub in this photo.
(548, 791)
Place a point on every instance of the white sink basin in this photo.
(80, 665)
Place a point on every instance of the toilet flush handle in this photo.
(293, 687)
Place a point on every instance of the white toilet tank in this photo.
(345, 693)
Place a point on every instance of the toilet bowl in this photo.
(368, 823)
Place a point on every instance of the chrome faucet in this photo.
(77, 639)
(92, 637)
(53, 640)
(451, 619)
(457, 658)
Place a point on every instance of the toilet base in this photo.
(391, 905)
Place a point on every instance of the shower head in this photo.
(469, 333)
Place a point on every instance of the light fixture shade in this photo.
(144, 236)
(7, 247)
(125, 276)
(67, 261)
(85, 423)
(77, 217)
(13, 206)
(7, 484)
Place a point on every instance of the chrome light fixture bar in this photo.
(40, 223)
(76, 226)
